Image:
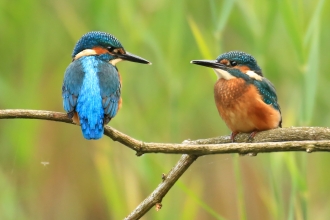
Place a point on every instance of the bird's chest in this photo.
(241, 106)
(228, 93)
(233, 101)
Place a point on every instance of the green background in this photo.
(169, 101)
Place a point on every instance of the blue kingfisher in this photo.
(92, 84)
(245, 99)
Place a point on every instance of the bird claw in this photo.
(232, 136)
(70, 114)
(106, 119)
(252, 135)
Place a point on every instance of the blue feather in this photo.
(89, 102)
(72, 83)
(110, 88)
(265, 87)
(91, 87)
(94, 38)
(267, 91)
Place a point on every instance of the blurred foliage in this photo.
(169, 101)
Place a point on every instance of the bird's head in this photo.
(233, 64)
(104, 45)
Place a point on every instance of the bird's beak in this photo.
(209, 63)
(133, 58)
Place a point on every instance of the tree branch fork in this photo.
(306, 139)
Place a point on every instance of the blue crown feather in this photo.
(95, 38)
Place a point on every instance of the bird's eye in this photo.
(233, 63)
(110, 49)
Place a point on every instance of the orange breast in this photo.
(242, 108)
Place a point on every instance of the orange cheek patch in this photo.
(243, 69)
(121, 50)
(100, 50)
(225, 62)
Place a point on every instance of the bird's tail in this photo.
(91, 122)
(92, 130)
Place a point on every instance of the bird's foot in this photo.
(252, 135)
(232, 136)
(106, 119)
(70, 114)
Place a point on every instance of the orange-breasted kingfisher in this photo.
(92, 85)
(245, 100)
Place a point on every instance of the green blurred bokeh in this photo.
(47, 169)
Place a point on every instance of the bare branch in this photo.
(308, 139)
(34, 114)
(155, 198)
(62, 117)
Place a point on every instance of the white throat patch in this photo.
(253, 75)
(115, 61)
(223, 74)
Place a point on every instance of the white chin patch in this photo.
(115, 61)
(223, 74)
(86, 52)
(253, 75)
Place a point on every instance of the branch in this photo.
(155, 198)
(62, 117)
(157, 195)
(34, 114)
(308, 139)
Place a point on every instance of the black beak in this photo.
(133, 58)
(209, 63)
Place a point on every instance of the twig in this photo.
(155, 198)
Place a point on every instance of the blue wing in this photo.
(109, 82)
(73, 80)
(268, 92)
(110, 89)
(91, 87)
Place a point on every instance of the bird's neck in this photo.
(223, 74)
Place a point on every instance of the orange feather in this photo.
(75, 118)
(241, 107)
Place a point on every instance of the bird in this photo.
(245, 99)
(91, 89)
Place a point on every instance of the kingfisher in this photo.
(245, 99)
(92, 85)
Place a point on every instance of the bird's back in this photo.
(92, 90)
